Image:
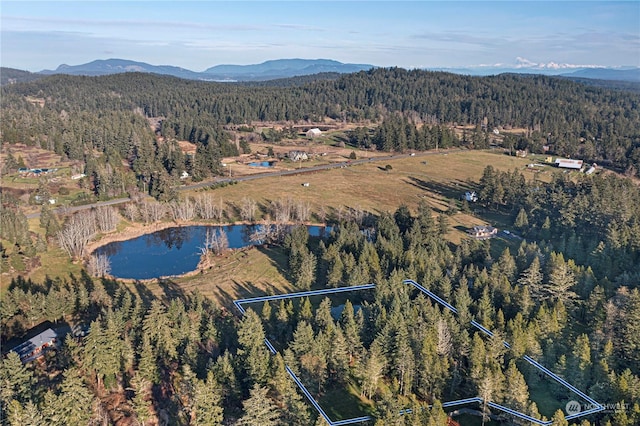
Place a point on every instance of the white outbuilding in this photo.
(313, 133)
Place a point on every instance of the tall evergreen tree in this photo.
(517, 395)
(227, 379)
(24, 415)
(141, 403)
(16, 381)
(259, 409)
(76, 401)
(252, 351)
(206, 404)
(522, 221)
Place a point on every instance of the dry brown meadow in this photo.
(438, 179)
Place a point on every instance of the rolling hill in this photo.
(269, 70)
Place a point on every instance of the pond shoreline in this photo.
(136, 230)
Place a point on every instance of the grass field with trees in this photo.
(561, 286)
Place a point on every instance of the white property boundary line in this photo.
(597, 406)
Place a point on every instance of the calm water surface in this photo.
(172, 251)
(261, 164)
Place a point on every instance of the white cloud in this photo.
(525, 63)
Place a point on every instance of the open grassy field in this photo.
(235, 275)
(438, 179)
(435, 178)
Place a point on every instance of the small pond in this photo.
(172, 251)
(262, 164)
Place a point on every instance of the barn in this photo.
(565, 163)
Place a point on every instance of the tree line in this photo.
(107, 114)
(594, 220)
(193, 362)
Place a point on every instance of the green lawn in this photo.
(471, 420)
(547, 403)
(345, 403)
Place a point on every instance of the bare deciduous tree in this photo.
(152, 211)
(445, 345)
(322, 214)
(217, 240)
(268, 232)
(208, 208)
(184, 210)
(303, 211)
(143, 211)
(130, 212)
(248, 209)
(158, 211)
(107, 218)
(281, 210)
(356, 214)
(98, 265)
(76, 233)
(260, 234)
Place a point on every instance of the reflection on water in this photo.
(171, 237)
(172, 251)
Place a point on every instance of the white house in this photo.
(297, 155)
(481, 232)
(315, 132)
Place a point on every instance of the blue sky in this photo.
(200, 34)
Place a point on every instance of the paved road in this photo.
(63, 210)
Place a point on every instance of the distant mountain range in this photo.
(282, 68)
(287, 68)
(632, 74)
(269, 70)
(116, 66)
(619, 74)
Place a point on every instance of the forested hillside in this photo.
(73, 115)
(193, 362)
(561, 286)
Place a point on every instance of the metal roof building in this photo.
(565, 163)
(33, 348)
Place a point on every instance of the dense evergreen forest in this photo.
(75, 116)
(566, 293)
(192, 362)
(595, 221)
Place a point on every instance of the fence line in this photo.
(597, 407)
